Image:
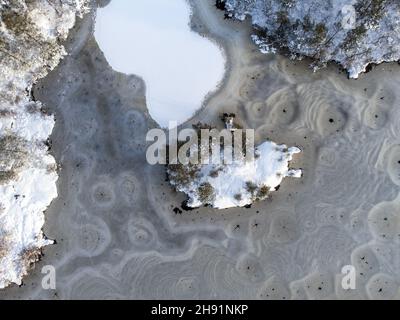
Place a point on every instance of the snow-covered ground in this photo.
(241, 182)
(152, 39)
(31, 31)
(354, 33)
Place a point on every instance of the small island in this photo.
(236, 183)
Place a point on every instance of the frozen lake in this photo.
(152, 39)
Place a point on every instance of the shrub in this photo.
(206, 193)
(251, 187)
(238, 197)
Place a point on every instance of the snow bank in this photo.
(29, 49)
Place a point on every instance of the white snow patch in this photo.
(153, 39)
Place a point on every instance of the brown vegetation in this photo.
(206, 193)
(13, 155)
(30, 256)
(4, 244)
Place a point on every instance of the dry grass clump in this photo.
(181, 175)
(17, 20)
(257, 193)
(13, 155)
(262, 192)
(206, 193)
(4, 113)
(29, 257)
(6, 176)
(320, 33)
(4, 244)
